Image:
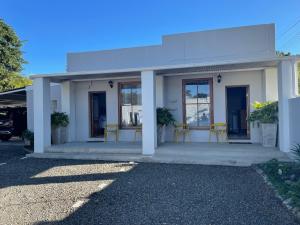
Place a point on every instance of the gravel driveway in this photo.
(11, 150)
(42, 191)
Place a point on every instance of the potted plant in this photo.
(59, 122)
(164, 119)
(28, 137)
(266, 115)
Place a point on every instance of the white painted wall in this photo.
(173, 98)
(294, 105)
(55, 92)
(270, 84)
(214, 46)
(82, 90)
(168, 94)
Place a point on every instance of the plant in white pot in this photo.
(59, 122)
(28, 137)
(266, 115)
(164, 119)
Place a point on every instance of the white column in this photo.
(41, 107)
(149, 112)
(68, 107)
(285, 91)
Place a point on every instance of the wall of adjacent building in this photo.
(294, 105)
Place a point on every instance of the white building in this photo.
(202, 77)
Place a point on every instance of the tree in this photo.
(281, 53)
(11, 59)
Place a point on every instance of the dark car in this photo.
(12, 122)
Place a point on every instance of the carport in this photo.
(13, 118)
(13, 98)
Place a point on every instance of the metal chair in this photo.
(181, 129)
(111, 128)
(138, 130)
(218, 129)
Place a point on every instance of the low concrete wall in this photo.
(294, 105)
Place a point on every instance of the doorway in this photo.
(237, 101)
(97, 114)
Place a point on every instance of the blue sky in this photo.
(52, 28)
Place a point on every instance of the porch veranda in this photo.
(42, 127)
(185, 153)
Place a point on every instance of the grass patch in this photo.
(285, 177)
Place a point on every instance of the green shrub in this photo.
(271, 167)
(265, 112)
(285, 177)
(296, 152)
(164, 117)
(295, 193)
(59, 119)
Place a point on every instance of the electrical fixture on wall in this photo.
(91, 84)
(111, 83)
(219, 78)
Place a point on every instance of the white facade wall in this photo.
(294, 105)
(169, 96)
(173, 98)
(207, 47)
(82, 90)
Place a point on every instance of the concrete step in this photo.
(204, 160)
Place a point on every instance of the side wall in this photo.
(294, 105)
(173, 98)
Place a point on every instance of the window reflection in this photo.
(131, 104)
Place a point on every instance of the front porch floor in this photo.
(183, 153)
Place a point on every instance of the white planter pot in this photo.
(160, 134)
(59, 135)
(269, 134)
(26, 142)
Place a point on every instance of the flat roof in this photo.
(13, 98)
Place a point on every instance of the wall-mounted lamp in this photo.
(111, 83)
(219, 78)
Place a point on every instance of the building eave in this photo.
(125, 71)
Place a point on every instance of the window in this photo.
(197, 103)
(130, 98)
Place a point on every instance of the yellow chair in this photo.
(137, 130)
(181, 129)
(218, 129)
(111, 128)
